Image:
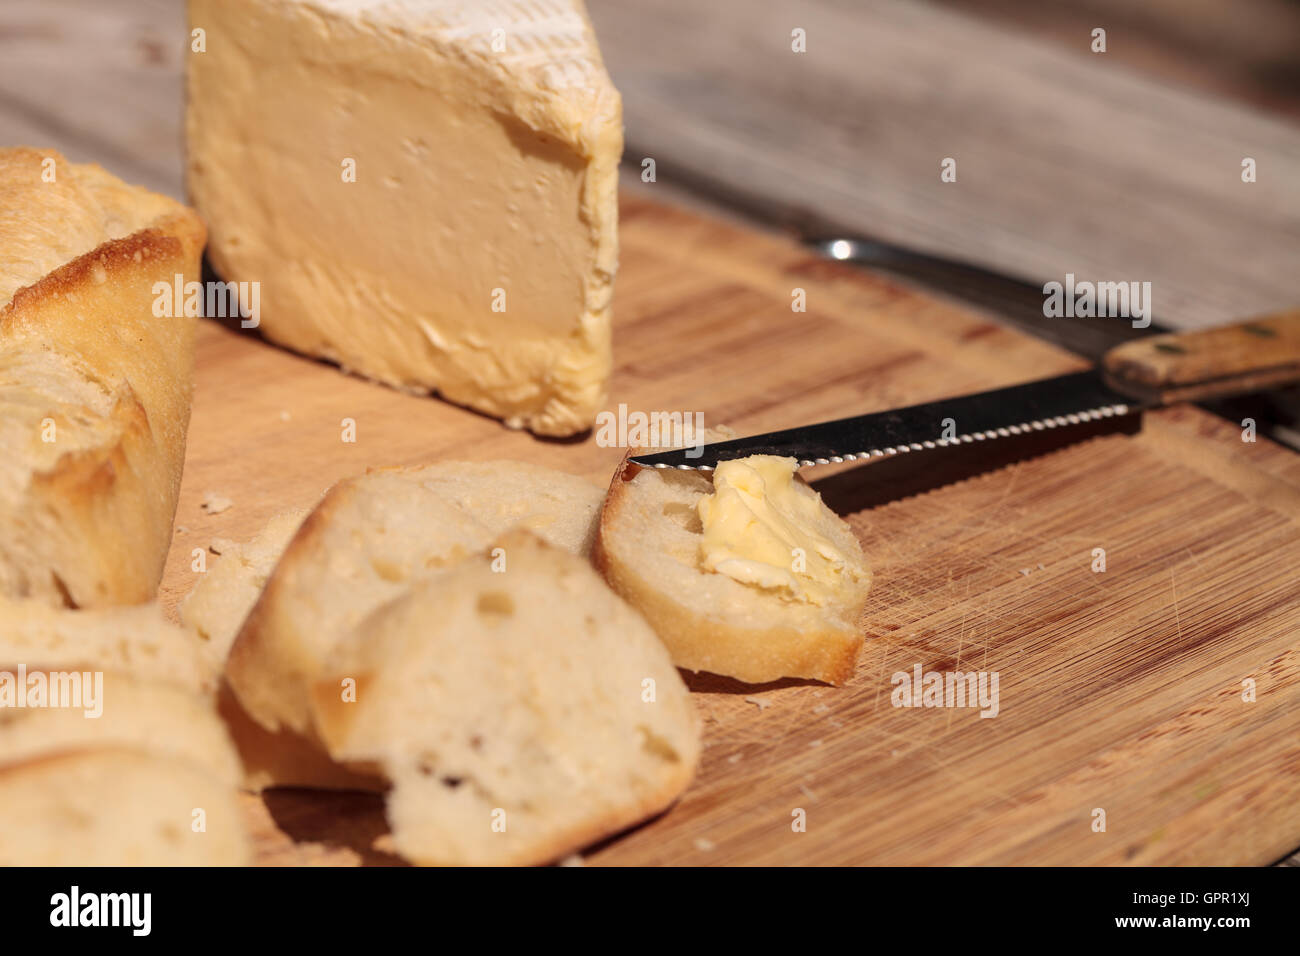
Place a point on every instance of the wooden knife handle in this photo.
(1259, 353)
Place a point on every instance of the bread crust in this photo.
(266, 663)
(336, 718)
(90, 526)
(698, 642)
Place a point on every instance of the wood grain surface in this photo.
(1119, 690)
(1119, 166)
(1067, 161)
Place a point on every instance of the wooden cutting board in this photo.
(1119, 690)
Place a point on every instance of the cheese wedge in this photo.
(426, 191)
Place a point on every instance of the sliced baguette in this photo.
(648, 548)
(224, 594)
(130, 640)
(94, 386)
(520, 714)
(366, 543)
(118, 807)
(136, 714)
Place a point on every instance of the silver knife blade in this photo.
(984, 416)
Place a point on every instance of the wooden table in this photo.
(852, 142)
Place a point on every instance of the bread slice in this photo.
(129, 640)
(94, 387)
(519, 713)
(122, 748)
(134, 713)
(366, 543)
(215, 609)
(118, 807)
(648, 549)
(224, 594)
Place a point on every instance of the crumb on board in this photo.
(222, 545)
(703, 844)
(759, 702)
(573, 859)
(215, 504)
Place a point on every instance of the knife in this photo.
(1157, 370)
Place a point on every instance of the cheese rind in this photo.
(473, 252)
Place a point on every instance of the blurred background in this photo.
(1118, 165)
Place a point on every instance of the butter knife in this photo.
(1249, 356)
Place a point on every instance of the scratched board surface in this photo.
(1119, 691)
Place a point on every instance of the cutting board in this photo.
(1124, 693)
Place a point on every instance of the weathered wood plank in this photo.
(1067, 162)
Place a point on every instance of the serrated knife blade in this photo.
(1260, 353)
(1050, 403)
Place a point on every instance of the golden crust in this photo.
(85, 520)
(266, 656)
(827, 651)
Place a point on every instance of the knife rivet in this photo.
(1003, 432)
(928, 444)
(967, 439)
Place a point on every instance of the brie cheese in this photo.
(425, 190)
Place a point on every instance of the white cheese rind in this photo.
(486, 178)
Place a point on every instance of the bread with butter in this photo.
(520, 709)
(789, 610)
(94, 386)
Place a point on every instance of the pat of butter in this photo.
(760, 528)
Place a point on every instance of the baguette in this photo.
(220, 601)
(137, 714)
(367, 542)
(110, 741)
(94, 387)
(520, 714)
(130, 640)
(118, 807)
(649, 549)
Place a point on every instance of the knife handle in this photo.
(1259, 353)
